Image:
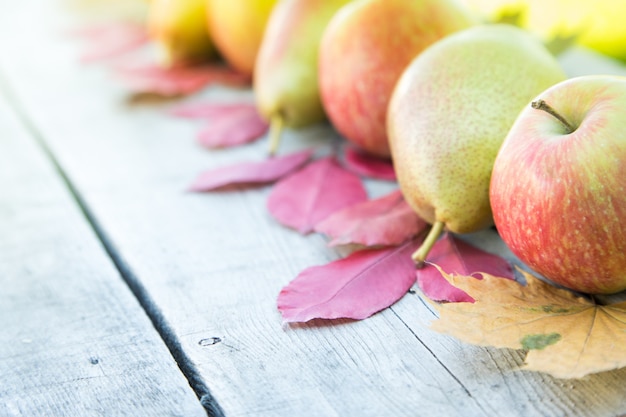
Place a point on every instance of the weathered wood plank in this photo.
(74, 340)
(213, 264)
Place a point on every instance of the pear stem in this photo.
(419, 256)
(542, 105)
(276, 128)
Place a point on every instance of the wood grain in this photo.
(212, 265)
(74, 340)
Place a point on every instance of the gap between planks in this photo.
(153, 312)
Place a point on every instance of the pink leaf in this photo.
(110, 40)
(387, 220)
(152, 78)
(456, 256)
(250, 173)
(232, 123)
(303, 199)
(368, 165)
(211, 110)
(355, 287)
(240, 126)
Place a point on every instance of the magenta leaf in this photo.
(355, 287)
(212, 110)
(242, 125)
(178, 80)
(387, 220)
(308, 196)
(368, 165)
(250, 173)
(455, 256)
(110, 40)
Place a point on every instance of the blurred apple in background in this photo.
(600, 23)
(558, 187)
(237, 27)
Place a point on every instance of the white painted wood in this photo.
(74, 340)
(213, 265)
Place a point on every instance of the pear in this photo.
(237, 27)
(285, 74)
(596, 24)
(180, 29)
(449, 114)
(364, 50)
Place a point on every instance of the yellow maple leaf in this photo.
(566, 335)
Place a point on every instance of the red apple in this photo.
(558, 187)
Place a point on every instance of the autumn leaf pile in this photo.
(475, 292)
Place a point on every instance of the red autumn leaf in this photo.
(387, 220)
(240, 126)
(303, 199)
(355, 287)
(250, 173)
(458, 257)
(231, 124)
(179, 80)
(110, 40)
(212, 110)
(368, 165)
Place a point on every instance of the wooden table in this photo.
(122, 294)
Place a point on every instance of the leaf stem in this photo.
(419, 256)
(542, 105)
(276, 127)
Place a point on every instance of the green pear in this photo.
(285, 73)
(449, 114)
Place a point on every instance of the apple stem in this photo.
(419, 256)
(276, 128)
(542, 105)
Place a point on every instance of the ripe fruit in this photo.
(599, 23)
(237, 27)
(285, 75)
(558, 189)
(449, 114)
(365, 48)
(180, 29)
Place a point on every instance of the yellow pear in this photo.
(180, 29)
(599, 24)
(286, 72)
(450, 112)
(237, 27)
